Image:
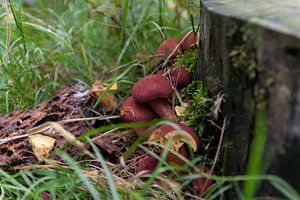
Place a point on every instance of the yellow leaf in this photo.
(180, 110)
(108, 101)
(41, 145)
(98, 87)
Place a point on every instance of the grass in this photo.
(53, 42)
(45, 45)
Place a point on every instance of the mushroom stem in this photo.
(163, 108)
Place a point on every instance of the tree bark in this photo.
(254, 58)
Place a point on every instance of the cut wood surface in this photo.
(277, 15)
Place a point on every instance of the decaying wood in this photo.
(74, 100)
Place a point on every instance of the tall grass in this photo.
(47, 44)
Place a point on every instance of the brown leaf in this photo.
(108, 101)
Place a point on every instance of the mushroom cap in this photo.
(167, 47)
(146, 164)
(180, 77)
(133, 111)
(189, 42)
(151, 87)
(201, 185)
(180, 136)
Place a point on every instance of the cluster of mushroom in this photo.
(151, 99)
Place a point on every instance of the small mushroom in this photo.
(201, 185)
(180, 136)
(132, 111)
(189, 42)
(173, 159)
(146, 164)
(166, 48)
(152, 89)
(180, 77)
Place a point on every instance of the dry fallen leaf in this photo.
(98, 87)
(91, 173)
(108, 101)
(41, 145)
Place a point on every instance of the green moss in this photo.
(243, 56)
(198, 109)
(188, 60)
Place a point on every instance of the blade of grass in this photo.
(80, 174)
(111, 184)
(18, 22)
(256, 152)
(124, 16)
(135, 29)
(119, 126)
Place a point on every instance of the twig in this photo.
(45, 126)
(218, 151)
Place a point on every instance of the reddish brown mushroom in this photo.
(152, 89)
(173, 159)
(167, 47)
(132, 111)
(146, 164)
(201, 185)
(188, 41)
(180, 136)
(180, 77)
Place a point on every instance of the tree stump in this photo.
(250, 50)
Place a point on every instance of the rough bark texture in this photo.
(72, 101)
(252, 53)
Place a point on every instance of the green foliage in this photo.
(45, 45)
(188, 60)
(198, 109)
